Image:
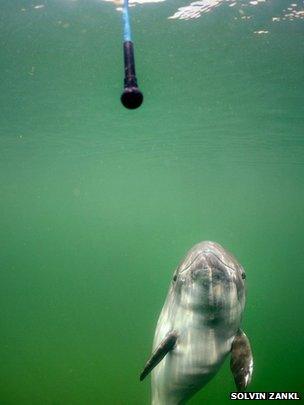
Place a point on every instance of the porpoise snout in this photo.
(210, 267)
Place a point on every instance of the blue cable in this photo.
(126, 21)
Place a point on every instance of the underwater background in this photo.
(99, 204)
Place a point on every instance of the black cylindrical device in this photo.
(131, 97)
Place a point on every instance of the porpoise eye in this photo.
(243, 276)
(174, 277)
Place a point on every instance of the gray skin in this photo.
(199, 325)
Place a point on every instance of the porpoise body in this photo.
(199, 326)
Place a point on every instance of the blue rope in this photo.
(126, 21)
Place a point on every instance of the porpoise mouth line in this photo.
(225, 264)
(201, 253)
(186, 268)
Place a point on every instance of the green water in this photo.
(99, 204)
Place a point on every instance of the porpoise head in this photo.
(210, 281)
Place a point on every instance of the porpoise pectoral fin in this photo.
(241, 362)
(165, 346)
